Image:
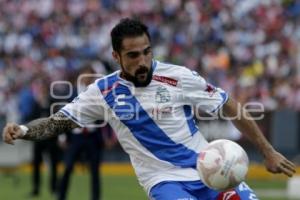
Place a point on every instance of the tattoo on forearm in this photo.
(44, 128)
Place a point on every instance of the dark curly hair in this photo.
(127, 28)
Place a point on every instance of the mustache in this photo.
(142, 70)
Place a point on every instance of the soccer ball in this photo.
(222, 165)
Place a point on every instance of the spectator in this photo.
(242, 44)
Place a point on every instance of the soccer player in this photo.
(149, 105)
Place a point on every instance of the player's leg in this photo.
(93, 156)
(199, 190)
(53, 154)
(245, 192)
(71, 155)
(170, 191)
(241, 192)
(202, 192)
(36, 162)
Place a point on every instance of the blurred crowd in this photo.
(248, 47)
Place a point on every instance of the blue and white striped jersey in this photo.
(154, 124)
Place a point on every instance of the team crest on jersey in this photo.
(162, 95)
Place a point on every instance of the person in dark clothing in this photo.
(35, 102)
(51, 148)
(89, 141)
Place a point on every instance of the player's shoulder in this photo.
(107, 81)
(165, 66)
(178, 71)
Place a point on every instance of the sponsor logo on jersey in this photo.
(159, 111)
(164, 79)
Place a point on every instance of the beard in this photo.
(141, 78)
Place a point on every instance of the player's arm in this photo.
(38, 129)
(274, 161)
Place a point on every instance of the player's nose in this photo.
(142, 60)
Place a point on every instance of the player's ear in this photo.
(116, 56)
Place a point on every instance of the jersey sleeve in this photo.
(87, 107)
(201, 94)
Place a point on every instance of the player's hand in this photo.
(277, 163)
(11, 132)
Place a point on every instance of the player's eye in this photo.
(147, 51)
(133, 54)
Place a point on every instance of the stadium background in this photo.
(248, 47)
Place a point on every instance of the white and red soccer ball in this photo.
(222, 165)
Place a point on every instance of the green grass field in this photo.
(113, 187)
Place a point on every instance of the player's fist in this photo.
(11, 132)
